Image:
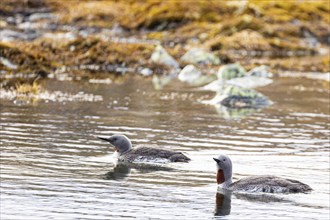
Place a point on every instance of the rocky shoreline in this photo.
(92, 39)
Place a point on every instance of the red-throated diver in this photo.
(266, 183)
(126, 153)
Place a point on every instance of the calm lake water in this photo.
(54, 167)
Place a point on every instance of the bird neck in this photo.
(223, 180)
(126, 151)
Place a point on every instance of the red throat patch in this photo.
(220, 177)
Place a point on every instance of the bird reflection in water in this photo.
(223, 199)
(222, 203)
(121, 171)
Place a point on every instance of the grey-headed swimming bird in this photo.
(126, 153)
(265, 183)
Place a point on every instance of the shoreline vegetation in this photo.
(90, 39)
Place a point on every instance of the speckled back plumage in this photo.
(270, 184)
(149, 153)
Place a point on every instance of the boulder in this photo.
(260, 71)
(238, 97)
(231, 71)
(193, 76)
(161, 56)
(189, 74)
(200, 57)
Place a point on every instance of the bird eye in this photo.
(224, 159)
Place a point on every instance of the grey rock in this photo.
(161, 56)
(189, 74)
(231, 71)
(237, 97)
(260, 71)
(200, 56)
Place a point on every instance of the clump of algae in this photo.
(94, 50)
(84, 57)
(25, 88)
(140, 14)
(24, 58)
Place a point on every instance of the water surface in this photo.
(54, 167)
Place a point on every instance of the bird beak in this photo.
(216, 160)
(104, 139)
(108, 140)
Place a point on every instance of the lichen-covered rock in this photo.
(224, 74)
(189, 74)
(193, 76)
(260, 71)
(234, 101)
(237, 97)
(161, 56)
(231, 71)
(200, 56)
